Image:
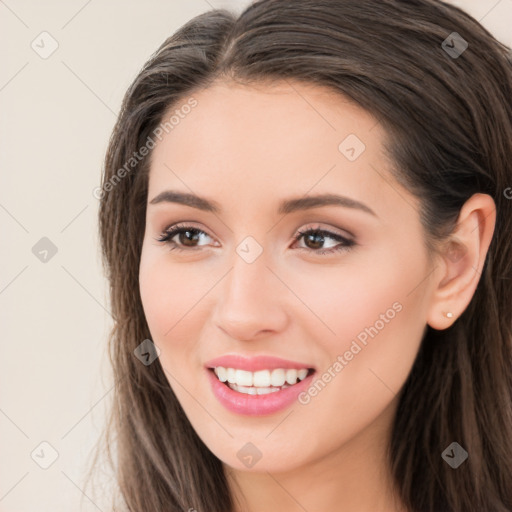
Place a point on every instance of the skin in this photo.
(249, 148)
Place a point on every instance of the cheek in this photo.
(363, 376)
(168, 292)
(377, 316)
(172, 296)
(156, 296)
(347, 300)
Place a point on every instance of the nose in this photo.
(250, 303)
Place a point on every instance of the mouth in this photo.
(262, 382)
(257, 385)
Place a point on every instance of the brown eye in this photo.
(314, 240)
(186, 237)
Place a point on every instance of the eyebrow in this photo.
(287, 206)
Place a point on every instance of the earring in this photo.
(449, 314)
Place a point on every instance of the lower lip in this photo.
(256, 405)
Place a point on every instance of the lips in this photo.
(253, 364)
(257, 385)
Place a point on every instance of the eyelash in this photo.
(170, 233)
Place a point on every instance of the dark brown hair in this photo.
(448, 123)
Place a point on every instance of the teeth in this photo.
(266, 391)
(254, 390)
(231, 375)
(263, 381)
(243, 378)
(301, 374)
(291, 376)
(243, 389)
(278, 377)
(221, 373)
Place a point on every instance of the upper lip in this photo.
(256, 363)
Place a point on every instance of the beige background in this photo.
(56, 117)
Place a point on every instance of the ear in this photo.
(461, 261)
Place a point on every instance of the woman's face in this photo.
(271, 280)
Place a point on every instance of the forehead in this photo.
(278, 139)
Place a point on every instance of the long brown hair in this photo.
(448, 120)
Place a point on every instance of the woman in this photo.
(305, 218)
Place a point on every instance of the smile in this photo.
(261, 382)
(257, 385)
